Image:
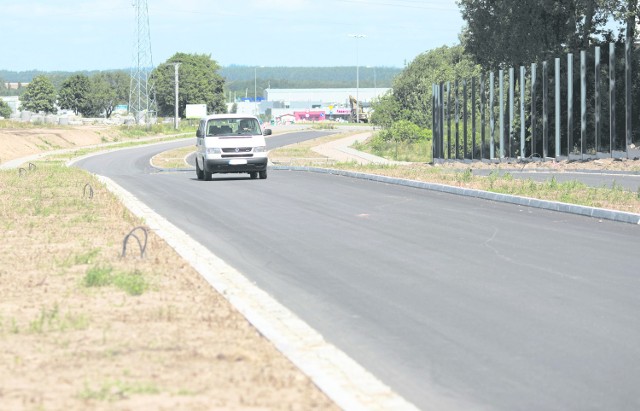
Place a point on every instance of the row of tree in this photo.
(98, 94)
(92, 96)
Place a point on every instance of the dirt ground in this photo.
(82, 328)
(22, 142)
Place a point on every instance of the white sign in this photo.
(195, 110)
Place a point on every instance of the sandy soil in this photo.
(65, 346)
(22, 142)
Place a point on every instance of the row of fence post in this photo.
(458, 147)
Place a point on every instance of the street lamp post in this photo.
(175, 120)
(357, 36)
(255, 90)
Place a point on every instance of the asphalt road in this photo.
(456, 303)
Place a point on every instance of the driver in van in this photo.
(244, 126)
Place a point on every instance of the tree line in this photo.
(201, 81)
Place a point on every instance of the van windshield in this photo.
(233, 127)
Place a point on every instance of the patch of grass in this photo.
(323, 126)
(98, 276)
(117, 390)
(173, 158)
(139, 131)
(86, 257)
(52, 320)
(416, 152)
(133, 283)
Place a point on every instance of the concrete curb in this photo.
(601, 213)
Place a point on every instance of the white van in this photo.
(231, 143)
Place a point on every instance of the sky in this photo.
(63, 35)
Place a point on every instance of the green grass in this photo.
(418, 152)
(50, 320)
(155, 129)
(133, 282)
(114, 390)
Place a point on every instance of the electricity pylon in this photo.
(142, 101)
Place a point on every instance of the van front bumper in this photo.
(235, 165)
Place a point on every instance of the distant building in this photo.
(313, 104)
(15, 86)
(324, 96)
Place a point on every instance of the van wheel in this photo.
(263, 175)
(253, 175)
(199, 171)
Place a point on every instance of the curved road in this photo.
(464, 303)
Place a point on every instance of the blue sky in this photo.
(68, 35)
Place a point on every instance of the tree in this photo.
(505, 33)
(411, 98)
(199, 83)
(386, 110)
(107, 90)
(74, 94)
(5, 110)
(40, 95)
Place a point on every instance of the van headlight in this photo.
(260, 149)
(214, 150)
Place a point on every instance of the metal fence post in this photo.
(569, 104)
(511, 86)
(534, 84)
(557, 108)
(583, 102)
(612, 97)
(473, 117)
(501, 111)
(492, 125)
(464, 118)
(545, 111)
(483, 124)
(597, 102)
(449, 120)
(441, 113)
(627, 86)
(522, 119)
(457, 119)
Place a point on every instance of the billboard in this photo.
(195, 110)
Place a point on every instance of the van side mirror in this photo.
(198, 133)
(267, 132)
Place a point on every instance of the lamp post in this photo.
(175, 120)
(255, 90)
(357, 36)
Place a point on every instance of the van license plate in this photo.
(237, 162)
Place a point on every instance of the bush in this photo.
(5, 110)
(406, 132)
